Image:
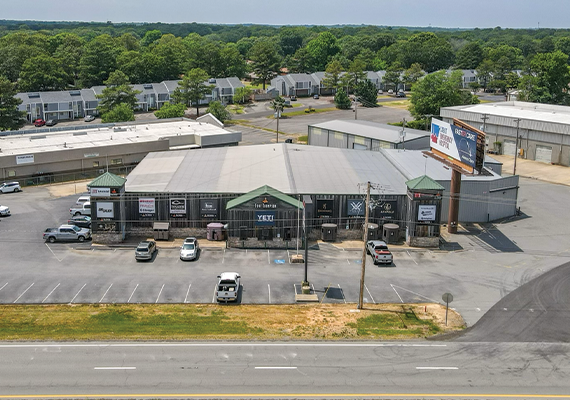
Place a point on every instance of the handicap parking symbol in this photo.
(278, 261)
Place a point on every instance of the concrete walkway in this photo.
(535, 169)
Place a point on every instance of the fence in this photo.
(48, 179)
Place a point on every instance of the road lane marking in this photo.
(115, 368)
(3, 286)
(24, 292)
(397, 293)
(158, 297)
(417, 294)
(342, 292)
(53, 253)
(411, 257)
(369, 294)
(275, 367)
(214, 297)
(43, 301)
(188, 291)
(105, 294)
(269, 289)
(129, 300)
(77, 294)
(437, 368)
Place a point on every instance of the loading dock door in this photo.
(509, 147)
(543, 154)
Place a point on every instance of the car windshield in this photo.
(142, 249)
(76, 228)
(188, 246)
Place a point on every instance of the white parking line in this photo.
(129, 300)
(53, 253)
(342, 292)
(397, 293)
(188, 291)
(105, 293)
(3, 286)
(158, 297)
(223, 255)
(275, 367)
(115, 368)
(269, 289)
(347, 261)
(268, 259)
(369, 294)
(76, 294)
(51, 292)
(437, 368)
(24, 292)
(214, 297)
(411, 257)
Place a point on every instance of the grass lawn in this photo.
(302, 112)
(212, 321)
(401, 104)
(236, 108)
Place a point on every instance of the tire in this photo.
(51, 239)
(77, 214)
(81, 238)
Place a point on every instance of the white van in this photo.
(83, 199)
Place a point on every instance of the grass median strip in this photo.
(210, 322)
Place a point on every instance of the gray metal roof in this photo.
(373, 130)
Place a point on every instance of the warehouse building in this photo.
(543, 129)
(47, 154)
(366, 135)
(257, 192)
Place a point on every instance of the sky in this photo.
(420, 13)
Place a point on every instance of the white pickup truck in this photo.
(83, 209)
(228, 287)
(379, 252)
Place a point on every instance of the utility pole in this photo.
(518, 120)
(355, 108)
(403, 134)
(278, 115)
(366, 214)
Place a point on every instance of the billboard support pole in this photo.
(455, 189)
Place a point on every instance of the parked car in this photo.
(82, 221)
(189, 249)
(66, 232)
(390, 91)
(228, 286)
(83, 199)
(39, 122)
(400, 94)
(379, 252)
(293, 98)
(84, 209)
(89, 118)
(316, 97)
(10, 187)
(51, 122)
(4, 211)
(145, 250)
(380, 91)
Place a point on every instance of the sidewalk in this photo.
(535, 169)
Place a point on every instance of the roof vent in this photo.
(33, 95)
(147, 86)
(212, 80)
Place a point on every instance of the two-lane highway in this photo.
(285, 370)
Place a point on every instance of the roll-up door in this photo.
(509, 147)
(543, 154)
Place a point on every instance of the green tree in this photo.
(242, 95)
(290, 40)
(120, 113)
(192, 88)
(469, 56)
(264, 61)
(354, 74)
(412, 74)
(547, 80)
(277, 104)
(10, 117)
(98, 60)
(367, 93)
(299, 63)
(219, 111)
(332, 76)
(42, 73)
(438, 90)
(151, 37)
(173, 53)
(68, 52)
(321, 50)
(393, 76)
(170, 111)
(485, 72)
(118, 92)
(341, 100)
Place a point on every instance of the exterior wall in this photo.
(425, 242)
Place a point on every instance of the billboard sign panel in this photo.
(387, 209)
(100, 192)
(105, 209)
(426, 213)
(356, 207)
(209, 208)
(178, 208)
(265, 218)
(453, 141)
(325, 208)
(147, 206)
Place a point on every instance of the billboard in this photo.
(178, 208)
(265, 218)
(455, 142)
(426, 212)
(209, 208)
(147, 206)
(325, 208)
(105, 210)
(355, 208)
(387, 209)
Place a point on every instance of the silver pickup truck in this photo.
(67, 232)
(228, 287)
(379, 252)
(84, 209)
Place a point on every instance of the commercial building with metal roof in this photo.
(366, 135)
(543, 130)
(91, 149)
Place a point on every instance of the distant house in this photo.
(296, 85)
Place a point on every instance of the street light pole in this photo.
(518, 120)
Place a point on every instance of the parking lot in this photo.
(479, 266)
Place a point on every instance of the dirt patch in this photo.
(68, 189)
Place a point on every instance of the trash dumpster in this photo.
(160, 230)
(215, 231)
(373, 231)
(390, 233)
(329, 232)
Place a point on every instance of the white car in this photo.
(10, 187)
(189, 249)
(4, 211)
(83, 199)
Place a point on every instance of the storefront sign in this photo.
(325, 208)
(387, 209)
(25, 159)
(454, 141)
(426, 213)
(105, 210)
(178, 208)
(265, 203)
(265, 218)
(90, 155)
(100, 192)
(209, 208)
(356, 208)
(147, 206)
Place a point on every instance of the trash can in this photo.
(390, 233)
(161, 230)
(329, 232)
(215, 231)
(373, 231)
